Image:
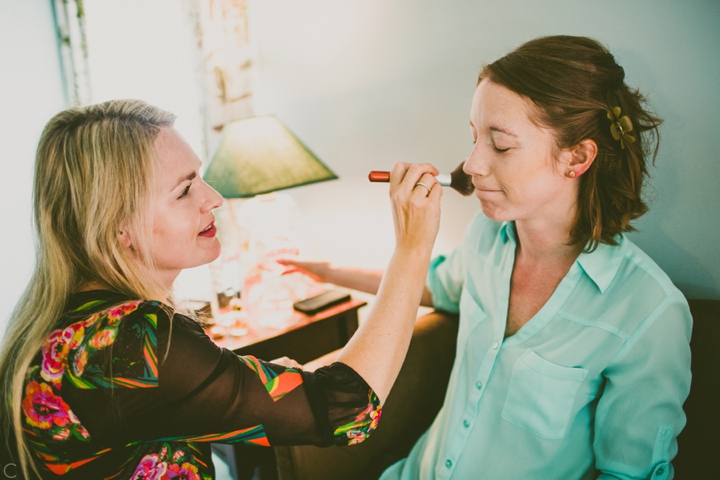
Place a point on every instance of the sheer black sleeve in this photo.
(195, 391)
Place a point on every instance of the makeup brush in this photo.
(457, 180)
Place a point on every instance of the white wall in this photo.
(147, 50)
(367, 82)
(30, 93)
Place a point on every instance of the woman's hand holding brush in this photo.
(457, 180)
(415, 200)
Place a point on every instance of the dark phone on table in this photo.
(313, 305)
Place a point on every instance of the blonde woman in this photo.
(101, 378)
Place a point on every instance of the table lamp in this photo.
(259, 155)
(255, 158)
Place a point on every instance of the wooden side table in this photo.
(308, 338)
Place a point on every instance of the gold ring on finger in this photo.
(423, 185)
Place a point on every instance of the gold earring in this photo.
(571, 174)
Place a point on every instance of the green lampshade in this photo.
(259, 155)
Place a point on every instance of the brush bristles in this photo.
(461, 181)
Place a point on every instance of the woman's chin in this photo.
(209, 256)
(215, 253)
(493, 212)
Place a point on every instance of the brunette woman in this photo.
(573, 358)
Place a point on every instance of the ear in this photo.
(582, 156)
(125, 239)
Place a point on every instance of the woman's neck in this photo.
(90, 286)
(96, 285)
(546, 240)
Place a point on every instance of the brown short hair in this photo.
(575, 82)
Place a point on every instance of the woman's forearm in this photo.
(364, 280)
(377, 350)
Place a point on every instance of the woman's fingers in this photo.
(415, 194)
(313, 269)
(404, 176)
(286, 362)
(425, 185)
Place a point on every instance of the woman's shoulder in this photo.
(95, 323)
(630, 281)
(639, 265)
(625, 267)
(625, 291)
(107, 317)
(105, 300)
(111, 307)
(101, 309)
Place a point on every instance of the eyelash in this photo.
(185, 191)
(492, 144)
(498, 150)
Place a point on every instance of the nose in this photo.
(478, 162)
(213, 199)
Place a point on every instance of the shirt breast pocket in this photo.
(541, 395)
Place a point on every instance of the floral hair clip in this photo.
(620, 127)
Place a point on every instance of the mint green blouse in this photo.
(593, 385)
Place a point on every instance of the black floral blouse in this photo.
(106, 398)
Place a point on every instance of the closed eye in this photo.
(498, 150)
(185, 191)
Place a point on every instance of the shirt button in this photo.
(478, 385)
(496, 345)
(448, 463)
(466, 424)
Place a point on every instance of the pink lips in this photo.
(485, 190)
(209, 232)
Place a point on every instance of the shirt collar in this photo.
(603, 263)
(507, 231)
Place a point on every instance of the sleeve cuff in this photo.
(434, 285)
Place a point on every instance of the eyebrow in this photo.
(502, 130)
(497, 129)
(186, 178)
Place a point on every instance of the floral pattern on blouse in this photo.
(100, 363)
(67, 350)
(64, 354)
(167, 464)
(364, 423)
(46, 411)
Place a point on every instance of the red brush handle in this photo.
(377, 176)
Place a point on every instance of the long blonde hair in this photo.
(93, 178)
